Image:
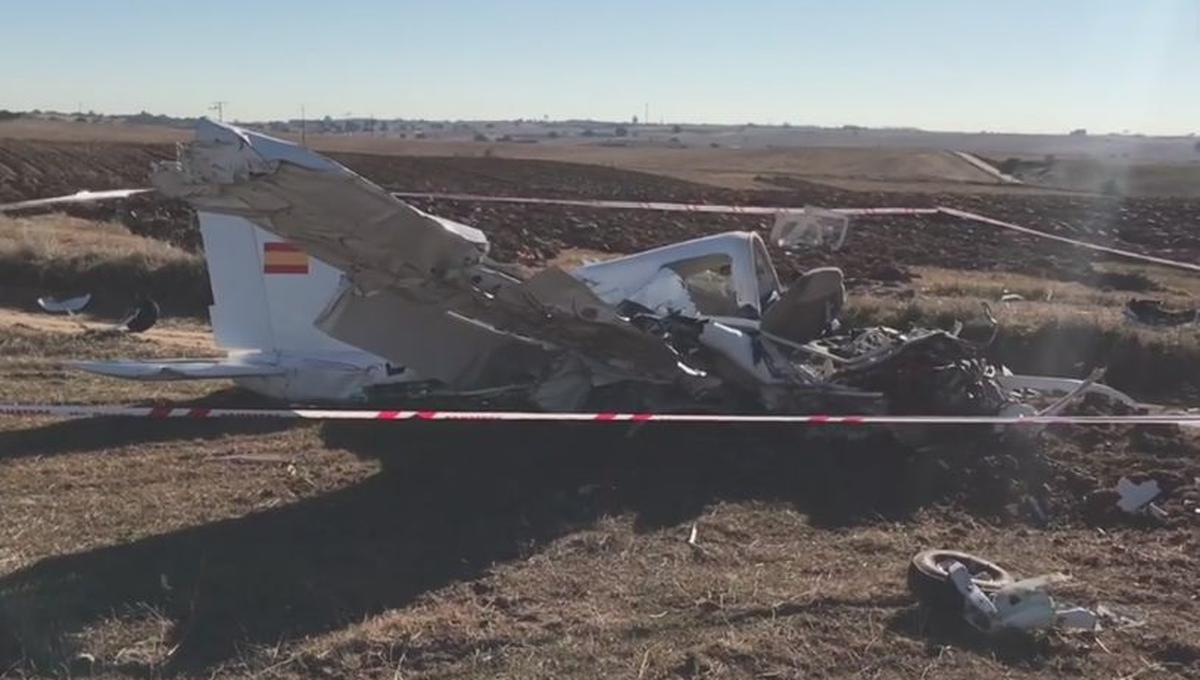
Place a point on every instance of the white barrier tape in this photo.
(766, 210)
(953, 212)
(199, 412)
(78, 197)
(659, 205)
(91, 196)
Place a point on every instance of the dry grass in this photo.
(950, 283)
(401, 552)
(56, 254)
(260, 549)
(945, 295)
(61, 239)
(1076, 330)
(255, 550)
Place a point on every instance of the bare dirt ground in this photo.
(727, 168)
(534, 234)
(258, 549)
(860, 161)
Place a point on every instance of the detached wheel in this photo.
(930, 583)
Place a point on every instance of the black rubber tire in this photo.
(931, 585)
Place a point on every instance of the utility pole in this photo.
(646, 114)
(303, 127)
(219, 107)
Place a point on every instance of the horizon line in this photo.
(848, 127)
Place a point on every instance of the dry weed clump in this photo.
(56, 254)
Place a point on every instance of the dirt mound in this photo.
(63, 256)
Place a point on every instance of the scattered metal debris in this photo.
(929, 577)
(1155, 313)
(142, 317)
(1138, 498)
(1111, 618)
(69, 306)
(701, 325)
(986, 596)
(811, 227)
(692, 541)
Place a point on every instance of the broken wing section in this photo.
(321, 206)
(456, 351)
(178, 369)
(427, 266)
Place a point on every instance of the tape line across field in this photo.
(767, 210)
(194, 412)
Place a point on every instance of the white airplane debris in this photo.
(812, 227)
(78, 197)
(327, 288)
(1138, 498)
(69, 306)
(1022, 605)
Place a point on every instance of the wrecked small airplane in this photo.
(327, 288)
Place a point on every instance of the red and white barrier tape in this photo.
(200, 412)
(767, 210)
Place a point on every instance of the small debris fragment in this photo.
(142, 317)
(1022, 605)
(70, 306)
(698, 549)
(811, 226)
(1135, 498)
(1155, 313)
(1115, 619)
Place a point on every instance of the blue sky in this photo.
(1016, 65)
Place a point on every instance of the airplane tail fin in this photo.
(266, 292)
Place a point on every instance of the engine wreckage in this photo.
(703, 325)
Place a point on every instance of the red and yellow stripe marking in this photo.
(284, 258)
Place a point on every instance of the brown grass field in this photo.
(263, 549)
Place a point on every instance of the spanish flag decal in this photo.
(284, 258)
